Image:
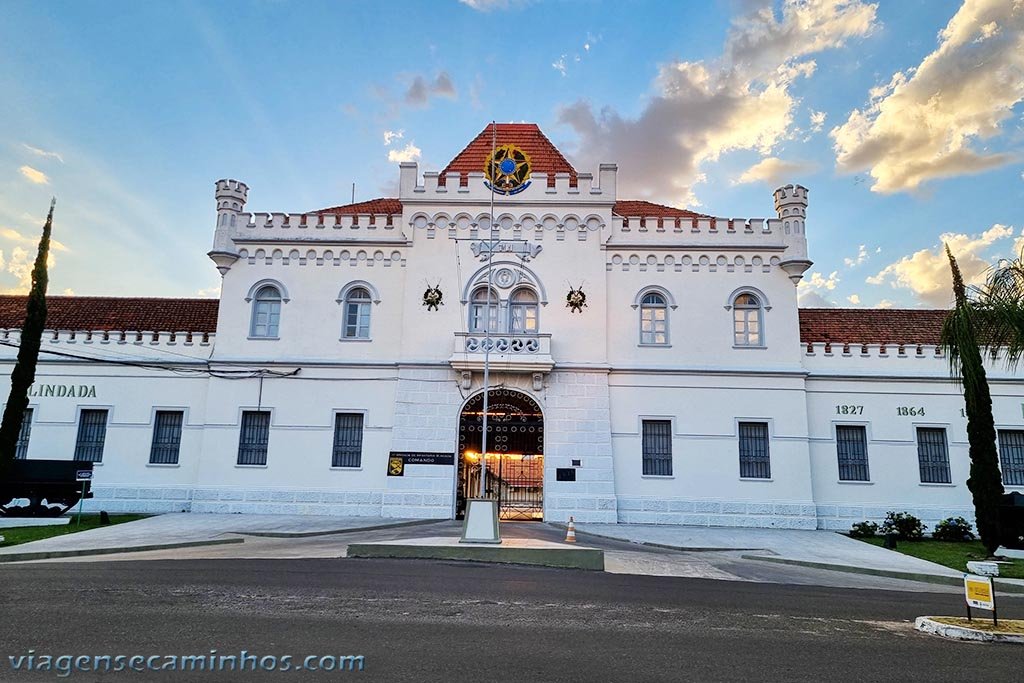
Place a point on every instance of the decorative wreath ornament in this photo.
(576, 299)
(432, 298)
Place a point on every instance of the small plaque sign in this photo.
(83, 475)
(397, 461)
(978, 591)
(417, 458)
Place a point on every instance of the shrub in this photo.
(953, 529)
(863, 530)
(906, 526)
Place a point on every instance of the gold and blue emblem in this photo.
(507, 171)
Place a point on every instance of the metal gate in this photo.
(515, 454)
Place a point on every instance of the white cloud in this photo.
(812, 299)
(34, 175)
(884, 303)
(817, 121)
(819, 281)
(488, 5)
(420, 91)
(775, 171)
(68, 292)
(854, 299)
(926, 272)
(700, 110)
(392, 135)
(209, 292)
(925, 123)
(860, 258)
(408, 153)
(15, 236)
(559, 65)
(20, 266)
(43, 153)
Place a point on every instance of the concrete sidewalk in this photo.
(822, 549)
(182, 530)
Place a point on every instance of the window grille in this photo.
(933, 455)
(657, 447)
(92, 433)
(755, 462)
(166, 437)
(253, 437)
(348, 440)
(852, 450)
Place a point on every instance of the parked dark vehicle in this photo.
(50, 487)
(1011, 520)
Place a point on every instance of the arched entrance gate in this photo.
(515, 454)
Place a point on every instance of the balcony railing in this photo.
(512, 352)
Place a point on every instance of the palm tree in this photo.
(960, 340)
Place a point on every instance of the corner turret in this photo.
(791, 205)
(231, 196)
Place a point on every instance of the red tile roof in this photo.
(381, 205)
(140, 314)
(871, 325)
(544, 156)
(637, 207)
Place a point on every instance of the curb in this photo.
(652, 544)
(1002, 587)
(352, 530)
(85, 552)
(929, 625)
(559, 558)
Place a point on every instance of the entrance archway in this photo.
(515, 454)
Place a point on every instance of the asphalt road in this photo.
(424, 621)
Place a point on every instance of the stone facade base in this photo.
(411, 504)
(717, 513)
(842, 517)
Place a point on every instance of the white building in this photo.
(688, 390)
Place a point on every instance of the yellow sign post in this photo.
(979, 593)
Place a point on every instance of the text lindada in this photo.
(63, 390)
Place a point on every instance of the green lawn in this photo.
(951, 554)
(24, 534)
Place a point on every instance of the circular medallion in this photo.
(505, 277)
(507, 171)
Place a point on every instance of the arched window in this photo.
(748, 328)
(522, 312)
(483, 311)
(266, 313)
(653, 319)
(357, 314)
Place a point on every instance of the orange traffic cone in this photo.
(570, 534)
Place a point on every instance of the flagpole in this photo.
(487, 324)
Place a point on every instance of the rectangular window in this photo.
(754, 459)
(21, 452)
(266, 318)
(357, 320)
(348, 440)
(253, 437)
(653, 325)
(933, 455)
(852, 449)
(657, 447)
(1011, 456)
(92, 433)
(166, 437)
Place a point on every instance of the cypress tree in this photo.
(24, 373)
(959, 337)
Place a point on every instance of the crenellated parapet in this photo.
(434, 186)
(148, 345)
(508, 225)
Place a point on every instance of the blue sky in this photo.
(903, 117)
